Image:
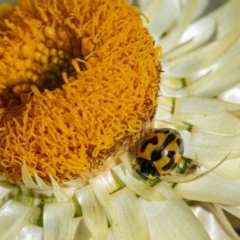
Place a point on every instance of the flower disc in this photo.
(78, 83)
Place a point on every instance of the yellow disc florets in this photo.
(78, 82)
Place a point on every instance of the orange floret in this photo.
(78, 82)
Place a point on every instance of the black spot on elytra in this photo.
(162, 130)
(171, 164)
(140, 160)
(157, 154)
(147, 168)
(153, 140)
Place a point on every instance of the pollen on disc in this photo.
(79, 81)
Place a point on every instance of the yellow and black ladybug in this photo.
(159, 153)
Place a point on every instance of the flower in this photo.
(199, 53)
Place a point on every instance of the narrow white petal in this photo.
(211, 188)
(215, 122)
(201, 7)
(228, 170)
(175, 93)
(30, 232)
(188, 152)
(41, 184)
(57, 221)
(215, 222)
(130, 215)
(195, 61)
(94, 214)
(214, 141)
(165, 103)
(142, 4)
(172, 219)
(162, 115)
(232, 53)
(234, 210)
(226, 17)
(126, 160)
(161, 14)
(76, 183)
(203, 105)
(215, 83)
(138, 186)
(231, 95)
(209, 154)
(196, 35)
(110, 235)
(61, 192)
(14, 216)
(171, 40)
(27, 179)
(80, 230)
(103, 196)
(7, 190)
(152, 9)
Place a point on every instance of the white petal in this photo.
(76, 183)
(61, 192)
(41, 184)
(58, 221)
(30, 232)
(103, 196)
(126, 160)
(142, 4)
(207, 153)
(110, 235)
(226, 60)
(228, 170)
(226, 17)
(215, 222)
(188, 151)
(214, 141)
(161, 14)
(138, 186)
(162, 115)
(171, 39)
(232, 53)
(80, 229)
(27, 179)
(215, 83)
(6, 191)
(215, 122)
(171, 219)
(111, 183)
(195, 61)
(234, 210)
(211, 188)
(175, 93)
(93, 213)
(130, 215)
(231, 95)
(201, 7)
(14, 216)
(204, 105)
(196, 35)
(165, 103)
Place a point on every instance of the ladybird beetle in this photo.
(159, 153)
